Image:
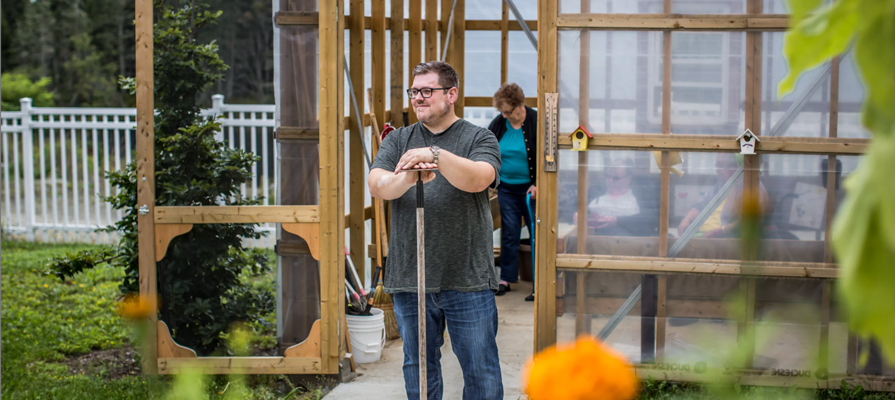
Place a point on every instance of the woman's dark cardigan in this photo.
(529, 132)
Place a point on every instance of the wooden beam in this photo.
(332, 199)
(296, 18)
(240, 365)
(716, 143)
(396, 85)
(496, 25)
(545, 280)
(656, 265)
(146, 178)
(482, 101)
(471, 25)
(678, 22)
(237, 214)
(291, 133)
(356, 221)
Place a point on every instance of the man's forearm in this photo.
(465, 174)
(387, 185)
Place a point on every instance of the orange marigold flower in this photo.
(135, 307)
(584, 370)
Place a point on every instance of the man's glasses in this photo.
(426, 92)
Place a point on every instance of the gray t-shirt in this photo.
(458, 226)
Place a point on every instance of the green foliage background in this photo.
(864, 229)
(200, 285)
(84, 45)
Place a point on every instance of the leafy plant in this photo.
(18, 85)
(199, 279)
(864, 228)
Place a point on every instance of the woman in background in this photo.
(516, 129)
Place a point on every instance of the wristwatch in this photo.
(435, 150)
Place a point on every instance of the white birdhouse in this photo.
(748, 140)
(579, 139)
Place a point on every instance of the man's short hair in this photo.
(509, 94)
(447, 77)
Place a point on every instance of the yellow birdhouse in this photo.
(580, 138)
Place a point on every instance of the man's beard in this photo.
(435, 113)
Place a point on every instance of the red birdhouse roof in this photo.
(581, 128)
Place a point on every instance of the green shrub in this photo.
(18, 85)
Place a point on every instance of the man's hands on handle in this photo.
(462, 173)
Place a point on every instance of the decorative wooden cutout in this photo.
(309, 348)
(168, 348)
(164, 234)
(310, 232)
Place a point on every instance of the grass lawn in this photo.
(64, 340)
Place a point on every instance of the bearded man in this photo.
(460, 276)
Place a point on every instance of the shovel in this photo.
(421, 284)
(421, 278)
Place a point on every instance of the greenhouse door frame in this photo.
(321, 226)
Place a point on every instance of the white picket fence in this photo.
(54, 162)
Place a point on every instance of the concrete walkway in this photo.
(384, 379)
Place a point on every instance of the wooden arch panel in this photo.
(168, 348)
(309, 348)
(164, 234)
(310, 232)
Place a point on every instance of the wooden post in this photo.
(396, 87)
(457, 53)
(504, 43)
(357, 223)
(146, 179)
(664, 189)
(582, 318)
(431, 30)
(826, 302)
(377, 36)
(332, 199)
(545, 219)
(414, 56)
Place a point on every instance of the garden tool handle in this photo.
(421, 283)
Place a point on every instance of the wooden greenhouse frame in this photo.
(553, 266)
(323, 226)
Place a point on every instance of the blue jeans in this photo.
(512, 210)
(471, 319)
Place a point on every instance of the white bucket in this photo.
(367, 335)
